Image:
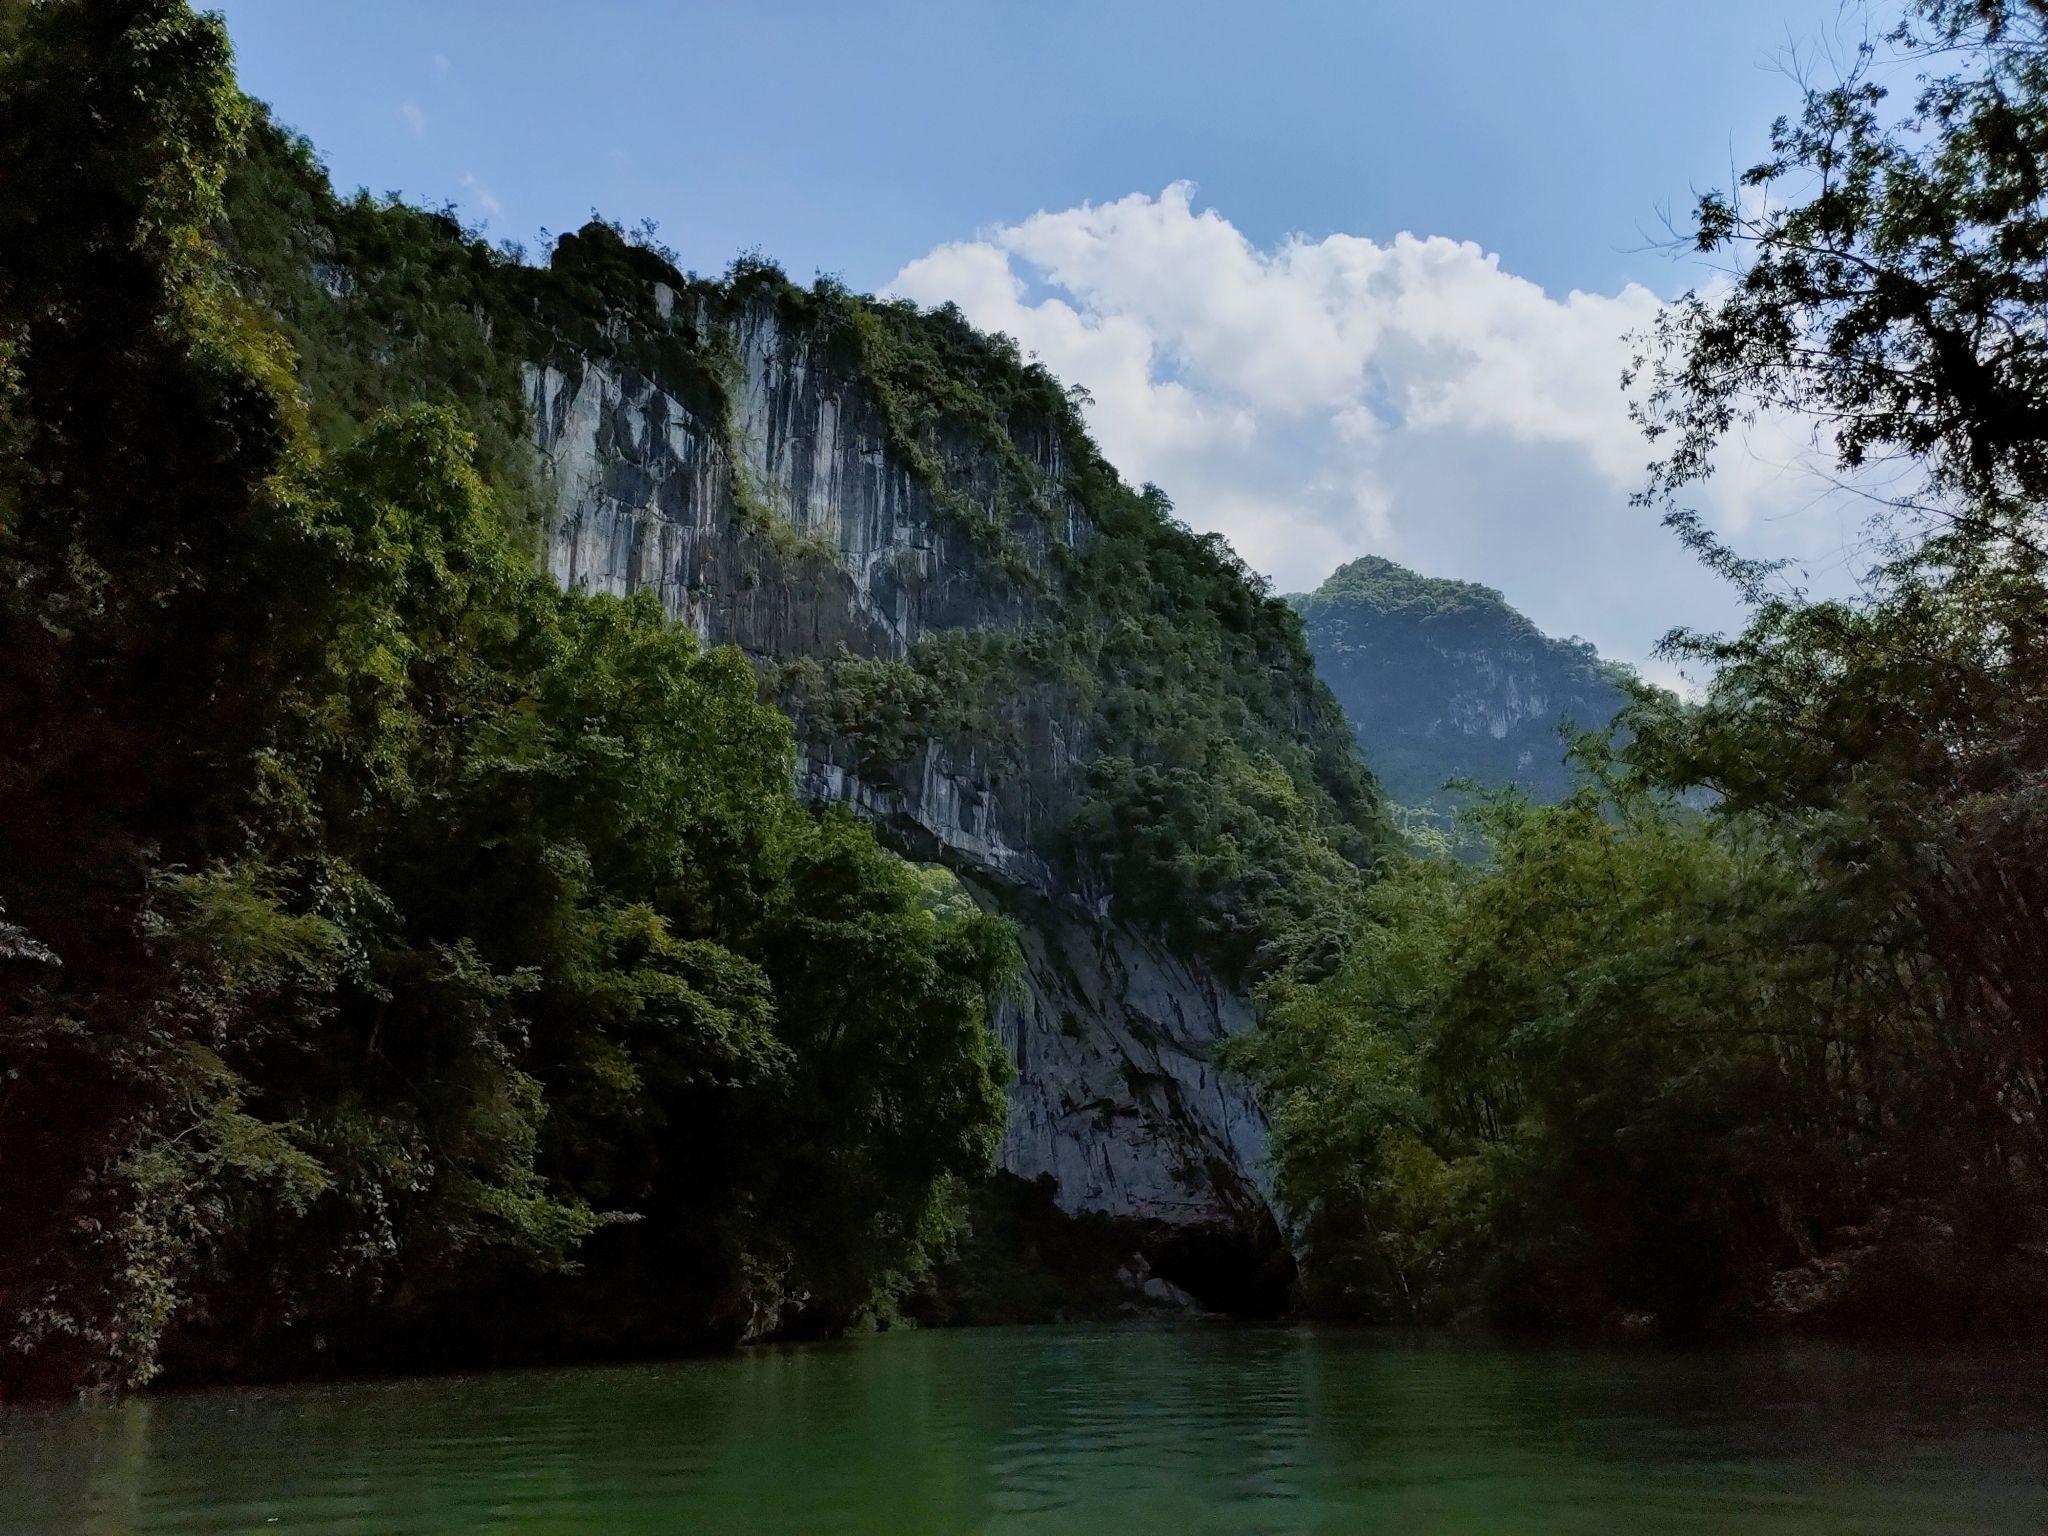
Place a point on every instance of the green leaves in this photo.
(1650, 1058)
(387, 928)
(1769, 983)
(1521, 1091)
(229, 927)
(1891, 293)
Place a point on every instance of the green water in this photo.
(1077, 1432)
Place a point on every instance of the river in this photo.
(1078, 1431)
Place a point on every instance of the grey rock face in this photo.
(792, 533)
(1115, 1096)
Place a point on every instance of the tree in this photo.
(148, 504)
(1893, 298)
(1897, 304)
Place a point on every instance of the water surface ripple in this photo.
(1078, 1431)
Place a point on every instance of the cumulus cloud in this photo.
(414, 117)
(1329, 398)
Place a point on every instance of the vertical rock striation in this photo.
(790, 529)
(991, 646)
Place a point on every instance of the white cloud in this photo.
(481, 195)
(1330, 398)
(414, 117)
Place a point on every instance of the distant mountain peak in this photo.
(1444, 679)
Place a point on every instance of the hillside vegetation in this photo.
(1780, 1060)
(406, 961)
(385, 929)
(1442, 681)
(1207, 780)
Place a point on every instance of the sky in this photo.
(1343, 277)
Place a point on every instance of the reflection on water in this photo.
(1078, 1431)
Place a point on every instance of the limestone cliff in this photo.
(1115, 1096)
(990, 645)
(791, 526)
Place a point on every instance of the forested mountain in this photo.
(555, 806)
(404, 960)
(1442, 680)
(991, 648)
(1751, 1030)
(447, 702)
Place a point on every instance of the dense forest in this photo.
(406, 960)
(978, 629)
(387, 930)
(1751, 1030)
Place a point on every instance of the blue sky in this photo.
(909, 145)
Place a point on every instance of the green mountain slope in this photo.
(992, 648)
(1442, 680)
